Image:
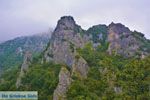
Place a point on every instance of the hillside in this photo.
(101, 63)
(12, 52)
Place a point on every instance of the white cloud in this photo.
(45, 13)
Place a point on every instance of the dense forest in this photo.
(109, 78)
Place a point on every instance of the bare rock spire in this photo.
(24, 67)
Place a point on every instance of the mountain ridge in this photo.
(103, 62)
(16, 48)
(68, 37)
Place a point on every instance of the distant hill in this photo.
(12, 51)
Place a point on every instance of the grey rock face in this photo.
(24, 67)
(64, 41)
(66, 38)
(118, 28)
(80, 68)
(121, 41)
(63, 85)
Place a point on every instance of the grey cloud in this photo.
(24, 17)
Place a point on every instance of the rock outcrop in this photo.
(24, 67)
(80, 67)
(63, 85)
(67, 37)
(121, 41)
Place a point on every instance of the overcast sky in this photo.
(26, 17)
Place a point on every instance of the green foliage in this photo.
(110, 77)
(8, 56)
(40, 77)
(88, 53)
(135, 78)
(103, 47)
(80, 31)
(8, 79)
(79, 91)
(107, 72)
(144, 43)
(12, 51)
(95, 31)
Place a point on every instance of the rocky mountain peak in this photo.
(123, 41)
(66, 23)
(118, 28)
(65, 39)
(66, 29)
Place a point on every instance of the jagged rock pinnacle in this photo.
(66, 28)
(65, 39)
(66, 23)
(118, 28)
